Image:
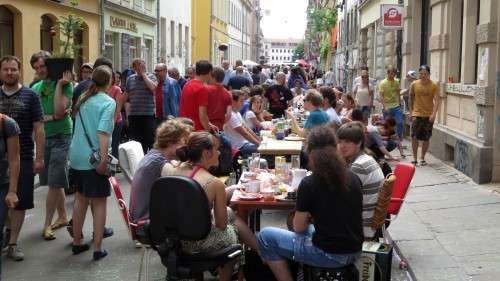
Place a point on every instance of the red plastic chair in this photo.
(404, 174)
(123, 207)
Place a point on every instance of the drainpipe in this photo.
(102, 30)
(158, 31)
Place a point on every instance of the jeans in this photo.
(277, 244)
(247, 149)
(397, 114)
(3, 215)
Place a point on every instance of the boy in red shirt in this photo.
(219, 100)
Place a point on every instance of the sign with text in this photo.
(122, 23)
(392, 16)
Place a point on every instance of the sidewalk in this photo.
(449, 227)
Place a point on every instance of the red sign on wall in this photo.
(392, 16)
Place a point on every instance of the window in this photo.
(180, 39)
(186, 45)
(426, 24)
(134, 48)
(147, 54)
(46, 42)
(109, 46)
(138, 4)
(172, 39)
(163, 38)
(148, 5)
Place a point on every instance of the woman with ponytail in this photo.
(94, 123)
(199, 154)
(329, 206)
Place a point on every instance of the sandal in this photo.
(77, 249)
(414, 163)
(59, 224)
(48, 234)
(423, 163)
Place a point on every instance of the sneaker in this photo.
(100, 254)
(14, 252)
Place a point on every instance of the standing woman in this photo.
(363, 94)
(116, 93)
(95, 111)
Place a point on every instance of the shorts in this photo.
(25, 186)
(421, 128)
(91, 184)
(55, 173)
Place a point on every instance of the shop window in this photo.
(6, 32)
(110, 46)
(46, 36)
(148, 53)
(134, 48)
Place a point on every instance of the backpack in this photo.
(225, 158)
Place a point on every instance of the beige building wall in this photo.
(27, 21)
(462, 50)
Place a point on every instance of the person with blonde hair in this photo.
(170, 135)
(94, 123)
(313, 103)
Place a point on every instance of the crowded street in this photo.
(297, 140)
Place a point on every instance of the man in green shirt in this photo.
(56, 102)
(389, 90)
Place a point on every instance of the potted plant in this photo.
(62, 60)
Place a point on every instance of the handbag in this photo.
(95, 157)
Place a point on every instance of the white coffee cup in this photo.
(253, 186)
(298, 175)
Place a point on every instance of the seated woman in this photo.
(199, 154)
(312, 103)
(349, 106)
(254, 116)
(170, 135)
(329, 207)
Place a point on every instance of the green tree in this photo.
(68, 26)
(322, 20)
(298, 52)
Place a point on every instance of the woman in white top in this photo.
(363, 94)
(254, 115)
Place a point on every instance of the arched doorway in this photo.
(6, 32)
(82, 55)
(46, 33)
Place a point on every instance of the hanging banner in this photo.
(392, 16)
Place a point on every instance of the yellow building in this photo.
(25, 27)
(200, 22)
(209, 20)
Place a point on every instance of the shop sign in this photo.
(392, 16)
(122, 23)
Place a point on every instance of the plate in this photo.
(293, 138)
(282, 198)
(250, 197)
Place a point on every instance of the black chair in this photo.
(179, 210)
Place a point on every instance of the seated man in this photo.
(312, 103)
(240, 136)
(351, 140)
(373, 139)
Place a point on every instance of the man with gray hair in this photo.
(227, 72)
(167, 95)
(245, 72)
(279, 96)
(173, 72)
(238, 81)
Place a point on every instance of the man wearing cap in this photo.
(405, 93)
(86, 74)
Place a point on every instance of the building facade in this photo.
(175, 34)
(378, 46)
(130, 31)
(281, 50)
(201, 11)
(219, 31)
(29, 25)
(459, 41)
(240, 19)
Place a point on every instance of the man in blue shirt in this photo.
(238, 81)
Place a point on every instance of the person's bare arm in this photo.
(301, 221)
(249, 137)
(220, 210)
(39, 145)
(60, 100)
(228, 114)
(370, 93)
(102, 167)
(435, 109)
(14, 166)
(205, 122)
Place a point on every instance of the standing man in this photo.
(351, 140)
(238, 81)
(279, 96)
(219, 100)
(167, 94)
(194, 98)
(173, 72)
(227, 72)
(329, 77)
(84, 84)
(389, 90)
(56, 102)
(140, 91)
(246, 74)
(22, 105)
(424, 104)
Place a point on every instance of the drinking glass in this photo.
(295, 162)
(254, 161)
